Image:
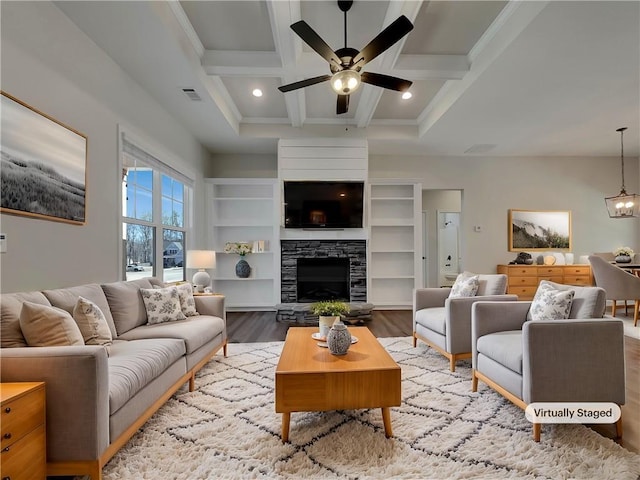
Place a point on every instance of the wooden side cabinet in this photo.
(523, 280)
(22, 426)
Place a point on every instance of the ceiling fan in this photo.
(346, 63)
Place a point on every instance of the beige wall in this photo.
(75, 82)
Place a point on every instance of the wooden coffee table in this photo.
(309, 378)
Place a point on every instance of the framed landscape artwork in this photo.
(43, 165)
(531, 230)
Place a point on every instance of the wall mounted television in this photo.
(323, 204)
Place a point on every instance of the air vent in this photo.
(192, 94)
(480, 148)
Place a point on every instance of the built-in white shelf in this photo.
(245, 210)
(395, 249)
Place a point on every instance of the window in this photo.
(155, 205)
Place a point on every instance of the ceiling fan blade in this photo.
(311, 38)
(386, 81)
(385, 39)
(304, 83)
(343, 104)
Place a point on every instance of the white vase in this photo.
(568, 258)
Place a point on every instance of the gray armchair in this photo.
(444, 323)
(580, 359)
(619, 284)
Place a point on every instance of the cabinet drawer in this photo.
(577, 280)
(552, 278)
(523, 292)
(521, 271)
(21, 415)
(550, 271)
(523, 281)
(26, 458)
(577, 270)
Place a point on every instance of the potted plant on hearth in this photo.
(328, 312)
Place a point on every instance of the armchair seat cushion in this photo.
(432, 318)
(504, 348)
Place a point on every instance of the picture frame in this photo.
(539, 230)
(43, 165)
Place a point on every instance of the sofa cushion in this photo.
(162, 305)
(550, 303)
(588, 302)
(466, 285)
(125, 303)
(67, 298)
(47, 326)
(504, 348)
(432, 318)
(134, 364)
(10, 308)
(195, 331)
(92, 323)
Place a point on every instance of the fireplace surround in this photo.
(355, 251)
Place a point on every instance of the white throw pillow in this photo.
(162, 304)
(550, 303)
(46, 326)
(92, 323)
(466, 285)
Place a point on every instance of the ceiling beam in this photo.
(370, 96)
(213, 85)
(288, 50)
(507, 26)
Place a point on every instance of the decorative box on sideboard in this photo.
(23, 439)
(523, 280)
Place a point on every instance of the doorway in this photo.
(439, 207)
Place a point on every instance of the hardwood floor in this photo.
(247, 327)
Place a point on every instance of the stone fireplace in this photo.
(315, 270)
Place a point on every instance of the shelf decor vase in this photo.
(623, 259)
(325, 323)
(339, 339)
(243, 269)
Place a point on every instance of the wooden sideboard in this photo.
(523, 280)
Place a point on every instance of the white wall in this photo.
(491, 186)
(48, 63)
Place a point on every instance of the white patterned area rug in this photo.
(228, 428)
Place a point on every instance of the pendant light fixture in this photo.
(623, 205)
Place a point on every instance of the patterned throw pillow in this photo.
(466, 285)
(187, 302)
(92, 323)
(550, 304)
(162, 304)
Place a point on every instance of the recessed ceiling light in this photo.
(257, 92)
(406, 95)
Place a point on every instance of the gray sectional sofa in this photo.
(98, 397)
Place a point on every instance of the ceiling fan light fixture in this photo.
(623, 205)
(345, 82)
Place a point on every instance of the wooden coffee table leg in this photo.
(286, 419)
(386, 419)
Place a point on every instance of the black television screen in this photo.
(323, 204)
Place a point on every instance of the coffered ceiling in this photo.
(489, 77)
